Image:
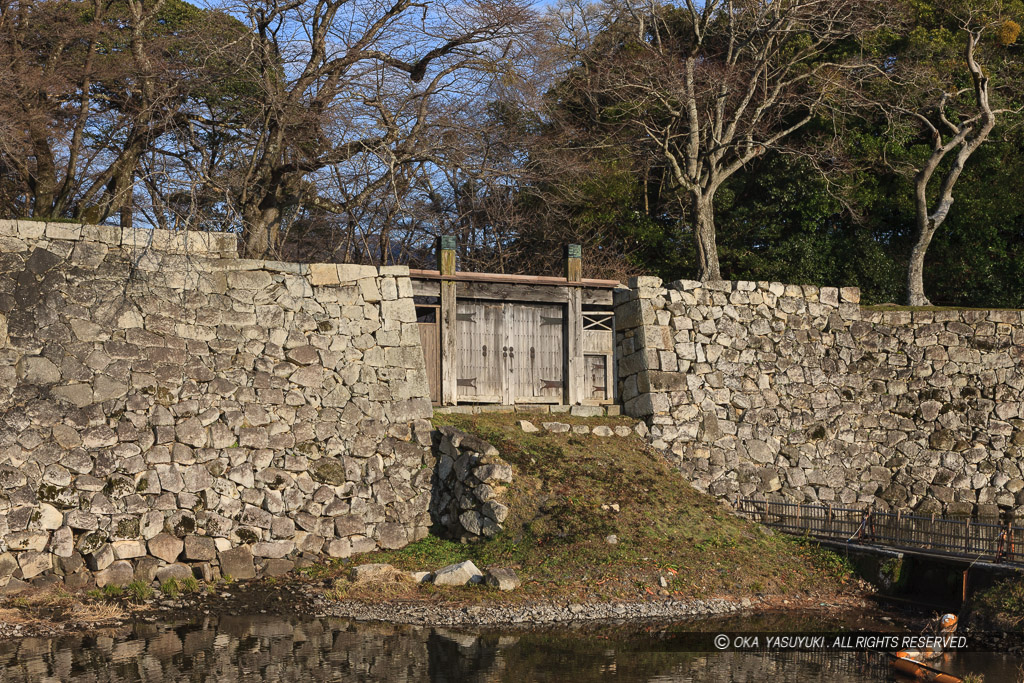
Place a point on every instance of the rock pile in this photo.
(459, 574)
(471, 482)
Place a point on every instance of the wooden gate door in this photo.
(479, 330)
(510, 353)
(430, 341)
(536, 368)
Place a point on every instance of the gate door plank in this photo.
(479, 342)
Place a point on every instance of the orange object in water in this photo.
(920, 671)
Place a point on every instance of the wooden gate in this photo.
(430, 340)
(510, 352)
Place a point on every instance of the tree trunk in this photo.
(925, 226)
(915, 276)
(704, 234)
(261, 227)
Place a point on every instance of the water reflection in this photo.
(269, 648)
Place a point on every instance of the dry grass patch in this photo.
(97, 612)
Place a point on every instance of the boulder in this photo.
(237, 563)
(119, 573)
(166, 547)
(8, 564)
(101, 559)
(273, 549)
(37, 370)
(34, 563)
(145, 569)
(278, 567)
(126, 550)
(200, 548)
(503, 579)
(173, 571)
(460, 574)
(376, 573)
(528, 426)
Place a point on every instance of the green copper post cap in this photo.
(573, 251)
(448, 242)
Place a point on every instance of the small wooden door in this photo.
(595, 382)
(510, 352)
(430, 340)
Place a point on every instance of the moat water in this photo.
(277, 648)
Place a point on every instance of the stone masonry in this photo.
(165, 402)
(797, 393)
(471, 482)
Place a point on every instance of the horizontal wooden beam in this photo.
(497, 291)
(426, 287)
(500, 278)
(514, 292)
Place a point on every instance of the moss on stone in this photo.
(247, 536)
(329, 472)
(128, 527)
(92, 542)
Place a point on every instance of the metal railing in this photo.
(989, 540)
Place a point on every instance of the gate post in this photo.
(446, 320)
(575, 366)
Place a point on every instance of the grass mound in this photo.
(557, 535)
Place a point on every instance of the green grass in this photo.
(170, 588)
(112, 590)
(139, 591)
(555, 535)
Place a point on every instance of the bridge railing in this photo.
(989, 540)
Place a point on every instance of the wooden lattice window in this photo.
(598, 320)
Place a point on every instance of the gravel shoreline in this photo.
(528, 615)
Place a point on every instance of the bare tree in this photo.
(347, 92)
(709, 86)
(954, 109)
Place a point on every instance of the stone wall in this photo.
(799, 393)
(471, 482)
(163, 401)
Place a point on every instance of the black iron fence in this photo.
(989, 540)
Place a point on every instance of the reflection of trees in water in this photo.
(240, 649)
